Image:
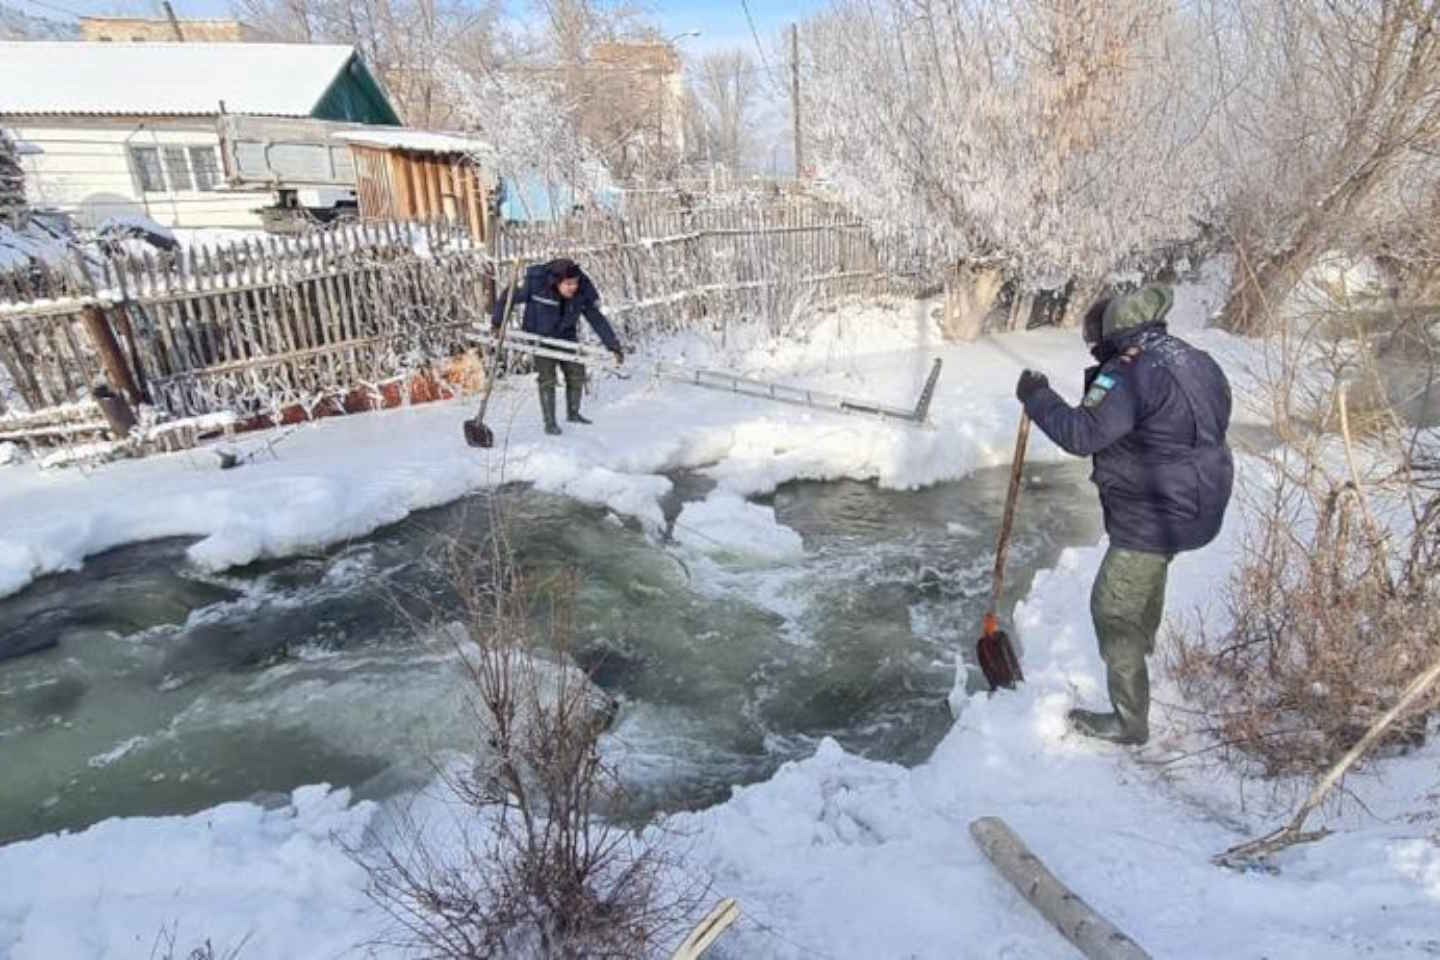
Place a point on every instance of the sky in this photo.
(722, 23)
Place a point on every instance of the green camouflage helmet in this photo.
(1147, 305)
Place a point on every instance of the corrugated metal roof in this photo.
(420, 141)
(166, 79)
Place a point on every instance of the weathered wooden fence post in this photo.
(117, 369)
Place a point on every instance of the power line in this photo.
(756, 34)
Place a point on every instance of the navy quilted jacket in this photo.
(1154, 419)
(547, 314)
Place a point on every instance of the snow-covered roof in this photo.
(421, 141)
(167, 79)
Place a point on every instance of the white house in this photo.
(130, 128)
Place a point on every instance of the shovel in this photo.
(476, 433)
(994, 650)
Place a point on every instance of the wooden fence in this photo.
(332, 320)
(254, 328)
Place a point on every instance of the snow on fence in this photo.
(353, 317)
(660, 270)
(257, 329)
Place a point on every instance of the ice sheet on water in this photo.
(729, 526)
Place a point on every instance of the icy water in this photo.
(167, 690)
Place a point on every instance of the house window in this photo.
(147, 169)
(207, 171)
(177, 169)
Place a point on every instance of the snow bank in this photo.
(274, 880)
(729, 526)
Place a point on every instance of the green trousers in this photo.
(1127, 604)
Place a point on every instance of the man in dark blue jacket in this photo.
(1154, 418)
(556, 295)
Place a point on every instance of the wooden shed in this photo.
(419, 175)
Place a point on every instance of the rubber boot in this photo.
(574, 390)
(1129, 722)
(547, 408)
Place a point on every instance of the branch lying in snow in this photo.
(1093, 935)
(1246, 854)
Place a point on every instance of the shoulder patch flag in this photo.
(1098, 390)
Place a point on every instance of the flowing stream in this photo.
(158, 689)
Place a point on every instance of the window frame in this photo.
(211, 168)
(160, 173)
(146, 175)
(170, 153)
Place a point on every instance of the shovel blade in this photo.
(479, 435)
(998, 661)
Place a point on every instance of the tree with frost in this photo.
(396, 38)
(726, 96)
(1044, 141)
(529, 131)
(12, 182)
(1330, 135)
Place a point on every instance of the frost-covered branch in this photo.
(1052, 138)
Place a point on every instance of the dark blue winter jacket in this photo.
(1154, 417)
(550, 315)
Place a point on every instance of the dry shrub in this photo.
(529, 867)
(1322, 643)
(1334, 604)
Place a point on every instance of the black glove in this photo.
(1030, 381)
(619, 356)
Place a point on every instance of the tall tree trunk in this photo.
(970, 292)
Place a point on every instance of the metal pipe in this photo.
(534, 345)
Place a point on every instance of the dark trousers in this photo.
(574, 372)
(574, 387)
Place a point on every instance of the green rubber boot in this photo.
(1129, 722)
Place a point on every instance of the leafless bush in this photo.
(164, 947)
(1334, 606)
(530, 867)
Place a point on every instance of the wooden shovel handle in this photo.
(500, 341)
(1012, 496)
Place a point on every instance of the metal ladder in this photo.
(538, 346)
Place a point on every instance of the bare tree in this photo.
(726, 92)
(1332, 130)
(1041, 140)
(401, 40)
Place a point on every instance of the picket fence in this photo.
(344, 318)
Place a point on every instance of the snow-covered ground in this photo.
(836, 856)
(347, 477)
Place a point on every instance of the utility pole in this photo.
(795, 96)
(174, 22)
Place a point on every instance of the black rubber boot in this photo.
(547, 409)
(573, 392)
